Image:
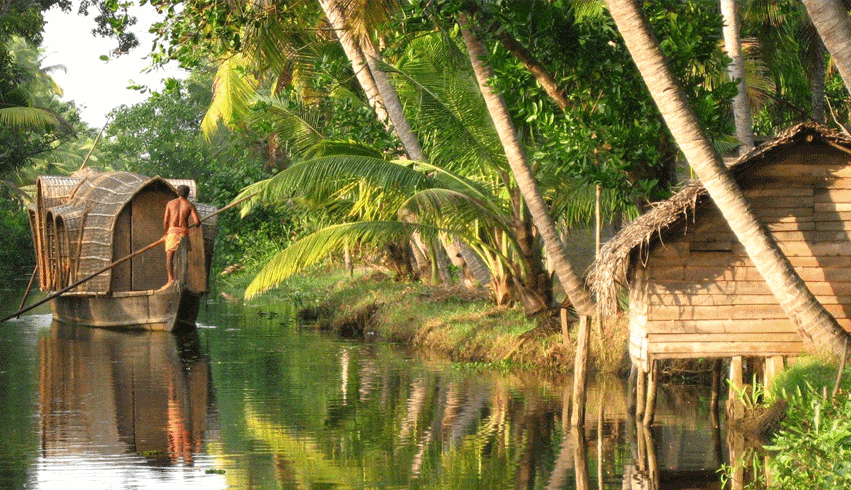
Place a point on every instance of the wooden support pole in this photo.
(735, 406)
(773, 367)
(565, 327)
(652, 386)
(631, 385)
(640, 394)
(580, 458)
(716, 392)
(580, 373)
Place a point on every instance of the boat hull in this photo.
(171, 309)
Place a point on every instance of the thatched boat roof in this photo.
(609, 272)
(89, 205)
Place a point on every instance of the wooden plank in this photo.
(791, 225)
(743, 287)
(832, 207)
(707, 349)
(731, 312)
(735, 337)
(771, 213)
(835, 183)
(744, 300)
(781, 191)
(803, 249)
(783, 325)
(831, 194)
(782, 202)
(830, 225)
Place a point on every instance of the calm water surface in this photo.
(250, 401)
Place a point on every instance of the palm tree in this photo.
(833, 25)
(814, 324)
(733, 45)
(526, 183)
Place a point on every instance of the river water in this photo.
(252, 401)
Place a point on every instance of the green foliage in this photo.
(160, 136)
(813, 449)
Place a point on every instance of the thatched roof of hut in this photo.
(90, 204)
(609, 272)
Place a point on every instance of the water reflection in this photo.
(119, 400)
(275, 407)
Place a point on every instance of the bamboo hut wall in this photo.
(148, 207)
(50, 251)
(104, 196)
(122, 246)
(704, 296)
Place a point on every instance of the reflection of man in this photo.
(176, 225)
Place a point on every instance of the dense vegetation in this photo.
(365, 130)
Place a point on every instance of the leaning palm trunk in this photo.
(834, 27)
(736, 68)
(385, 101)
(356, 58)
(815, 325)
(573, 285)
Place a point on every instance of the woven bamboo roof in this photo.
(609, 272)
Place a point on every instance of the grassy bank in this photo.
(454, 322)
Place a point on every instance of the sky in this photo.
(99, 86)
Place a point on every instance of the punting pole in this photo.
(117, 262)
(29, 287)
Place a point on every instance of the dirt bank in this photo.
(458, 323)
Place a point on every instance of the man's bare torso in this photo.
(177, 214)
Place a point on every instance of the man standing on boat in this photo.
(176, 225)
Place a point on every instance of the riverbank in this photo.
(457, 323)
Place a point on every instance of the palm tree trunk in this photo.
(815, 325)
(834, 27)
(355, 56)
(733, 45)
(817, 74)
(573, 285)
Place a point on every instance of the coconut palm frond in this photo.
(757, 78)
(452, 180)
(233, 92)
(575, 206)
(28, 117)
(297, 126)
(337, 170)
(316, 246)
(449, 108)
(453, 210)
(327, 148)
(251, 197)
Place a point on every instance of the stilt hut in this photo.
(84, 223)
(692, 291)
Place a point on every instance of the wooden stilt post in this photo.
(631, 386)
(735, 407)
(652, 385)
(580, 373)
(640, 394)
(773, 367)
(565, 327)
(716, 392)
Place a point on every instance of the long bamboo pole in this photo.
(29, 288)
(81, 281)
(117, 262)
